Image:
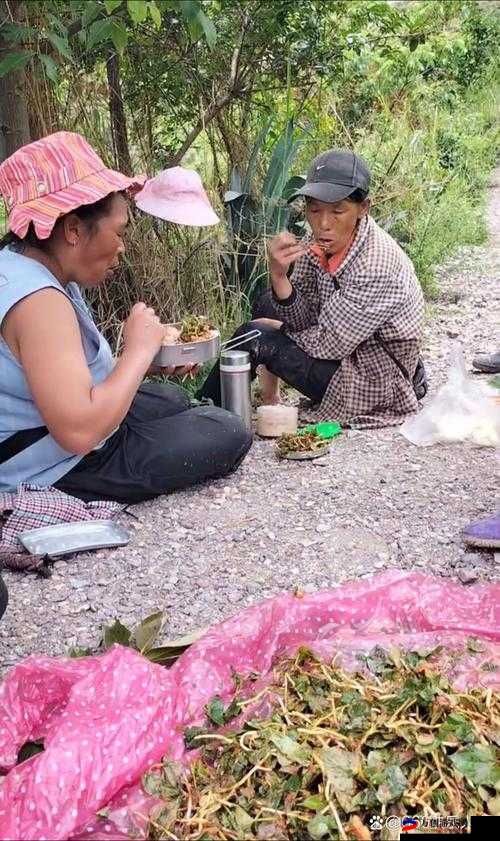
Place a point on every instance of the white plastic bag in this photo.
(464, 409)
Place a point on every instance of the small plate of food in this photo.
(302, 446)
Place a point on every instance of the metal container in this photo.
(69, 538)
(188, 353)
(235, 384)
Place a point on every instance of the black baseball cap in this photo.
(334, 175)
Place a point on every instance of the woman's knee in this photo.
(163, 399)
(233, 438)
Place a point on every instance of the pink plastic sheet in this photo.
(105, 720)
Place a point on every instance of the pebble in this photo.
(468, 575)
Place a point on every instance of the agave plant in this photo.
(253, 214)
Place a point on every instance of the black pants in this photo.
(162, 445)
(280, 355)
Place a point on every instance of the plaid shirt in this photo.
(374, 296)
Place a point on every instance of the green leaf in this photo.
(320, 826)
(119, 36)
(357, 710)
(111, 5)
(291, 749)
(77, 652)
(49, 66)
(145, 634)
(375, 764)
(152, 783)
(14, 61)
(99, 31)
(456, 729)
(60, 44)
(155, 14)
(190, 734)
(198, 23)
(232, 710)
(479, 763)
(293, 783)
(92, 10)
(316, 802)
(252, 163)
(282, 158)
(340, 767)
(166, 654)
(116, 633)
(215, 711)
(13, 34)
(393, 786)
(242, 820)
(138, 10)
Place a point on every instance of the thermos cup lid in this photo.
(234, 358)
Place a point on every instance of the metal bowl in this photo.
(188, 353)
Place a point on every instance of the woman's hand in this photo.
(143, 333)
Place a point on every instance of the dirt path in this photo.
(376, 502)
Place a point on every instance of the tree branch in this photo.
(234, 90)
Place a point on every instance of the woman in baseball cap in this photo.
(70, 414)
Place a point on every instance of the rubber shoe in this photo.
(487, 364)
(484, 533)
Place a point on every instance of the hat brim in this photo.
(46, 210)
(323, 191)
(193, 212)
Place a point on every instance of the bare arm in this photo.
(43, 332)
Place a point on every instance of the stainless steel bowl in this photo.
(188, 353)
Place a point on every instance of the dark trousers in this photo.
(280, 355)
(162, 445)
(4, 597)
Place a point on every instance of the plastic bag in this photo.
(464, 409)
(105, 720)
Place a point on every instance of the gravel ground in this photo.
(375, 502)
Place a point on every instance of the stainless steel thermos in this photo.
(235, 384)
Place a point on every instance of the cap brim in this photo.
(193, 213)
(45, 211)
(323, 191)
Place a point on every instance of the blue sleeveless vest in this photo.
(44, 461)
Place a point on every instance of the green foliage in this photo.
(143, 638)
(256, 211)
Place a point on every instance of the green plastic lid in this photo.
(326, 430)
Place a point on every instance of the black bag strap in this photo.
(394, 359)
(19, 441)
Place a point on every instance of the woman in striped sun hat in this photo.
(72, 416)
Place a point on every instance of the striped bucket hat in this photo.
(53, 176)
